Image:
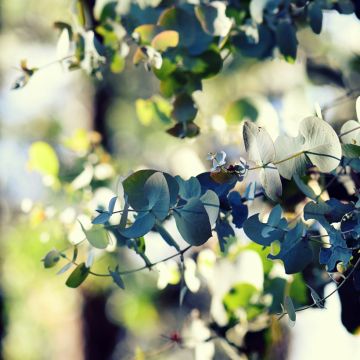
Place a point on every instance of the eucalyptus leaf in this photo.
(97, 236)
(188, 189)
(141, 226)
(51, 258)
(193, 222)
(213, 18)
(211, 202)
(239, 211)
(78, 276)
(316, 143)
(158, 195)
(261, 233)
(117, 278)
(295, 251)
(286, 40)
(290, 309)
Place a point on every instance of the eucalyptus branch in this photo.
(321, 301)
(148, 266)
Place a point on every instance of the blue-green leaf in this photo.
(261, 233)
(290, 309)
(188, 188)
(157, 193)
(316, 17)
(239, 211)
(193, 222)
(112, 203)
(295, 251)
(338, 252)
(275, 216)
(117, 277)
(102, 218)
(305, 189)
(286, 40)
(141, 226)
(211, 202)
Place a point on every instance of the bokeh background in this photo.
(96, 131)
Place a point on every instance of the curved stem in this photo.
(148, 266)
(319, 302)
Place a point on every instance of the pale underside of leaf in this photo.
(316, 142)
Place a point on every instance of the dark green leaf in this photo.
(316, 17)
(286, 40)
(184, 108)
(78, 276)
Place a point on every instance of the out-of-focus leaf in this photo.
(286, 40)
(153, 109)
(164, 40)
(184, 109)
(315, 17)
(43, 158)
(213, 18)
(143, 34)
(65, 268)
(240, 110)
(191, 34)
(51, 259)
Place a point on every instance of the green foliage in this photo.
(43, 158)
(78, 276)
(185, 43)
